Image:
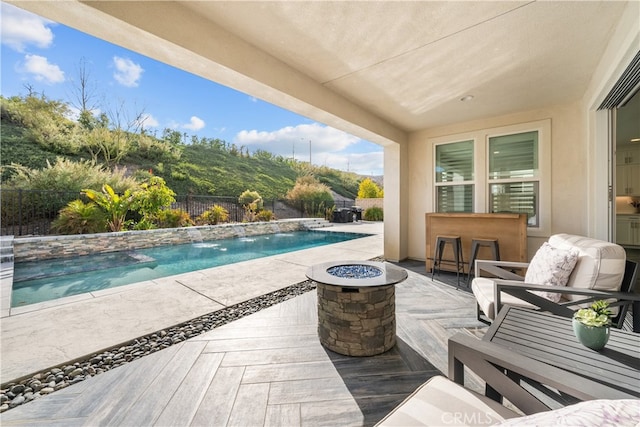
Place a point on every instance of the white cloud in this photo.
(195, 124)
(127, 73)
(281, 141)
(367, 163)
(148, 121)
(21, 28)
(43, 71)
(328, 147)
(74, 113)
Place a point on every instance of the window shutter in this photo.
(513, 156)
(454, 162)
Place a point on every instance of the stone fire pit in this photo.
(356, 305)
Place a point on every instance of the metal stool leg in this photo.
(474, 254)
(437, 259)
(459, 259)
(475, 245)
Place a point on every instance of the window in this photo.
(496, 170)
(514, 175)
(454, 177)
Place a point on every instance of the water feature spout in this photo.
(275, 227)
(240, 232)
(194, 235)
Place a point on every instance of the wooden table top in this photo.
(550, 339)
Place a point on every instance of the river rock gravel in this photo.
(24, 390)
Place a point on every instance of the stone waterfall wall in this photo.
(47, 247)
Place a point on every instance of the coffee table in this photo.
(525, 350)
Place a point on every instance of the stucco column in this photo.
(396, 204)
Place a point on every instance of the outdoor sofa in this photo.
(442, 402)
(566, 273)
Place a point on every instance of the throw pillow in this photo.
(551, 267)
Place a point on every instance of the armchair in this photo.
(601, 272)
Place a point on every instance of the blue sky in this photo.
(47, 56)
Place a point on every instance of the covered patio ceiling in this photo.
(379, 70)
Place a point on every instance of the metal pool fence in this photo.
(31, 212)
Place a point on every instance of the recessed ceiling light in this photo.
(466, 98)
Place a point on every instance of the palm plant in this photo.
(115, 206)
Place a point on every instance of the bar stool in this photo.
(456, 246)
(476, 243)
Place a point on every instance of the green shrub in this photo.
(313, 196)
(67, 175)
(178, 176)
(80, 218)
(151, 197)
(144, 224)
(213, 216)
(328, 213)
(45, 120)
(373, 214)
(252, 203)
(154, 149)
(251, 199)
(58, 183)
(265, 215)
(174, 218)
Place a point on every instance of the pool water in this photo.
(39, 281)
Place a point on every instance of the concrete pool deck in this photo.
(41, 336)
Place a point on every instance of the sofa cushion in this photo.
(601, 412)
(600, 264)
(483, 290)
(440, 402)
(551, 266)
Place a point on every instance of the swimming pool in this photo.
(39, 281)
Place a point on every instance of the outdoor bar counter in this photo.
(510, 229)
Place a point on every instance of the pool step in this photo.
(6, 274)
(317, 223)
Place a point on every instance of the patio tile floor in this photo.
(268, 368)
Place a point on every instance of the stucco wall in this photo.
(579, 157)
(569, 185)
(370, 203)
(39, 248)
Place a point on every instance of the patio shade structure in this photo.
(403, 74)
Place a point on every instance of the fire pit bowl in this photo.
(356, 305)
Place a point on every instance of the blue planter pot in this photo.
(593, 337)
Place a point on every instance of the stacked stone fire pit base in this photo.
(357, 323)
(356, 306)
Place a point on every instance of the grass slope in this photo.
(201, 170)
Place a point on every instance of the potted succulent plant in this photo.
(591, 325)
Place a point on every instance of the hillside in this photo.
(208, 167)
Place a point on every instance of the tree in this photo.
(84, 90)
(369, 190)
